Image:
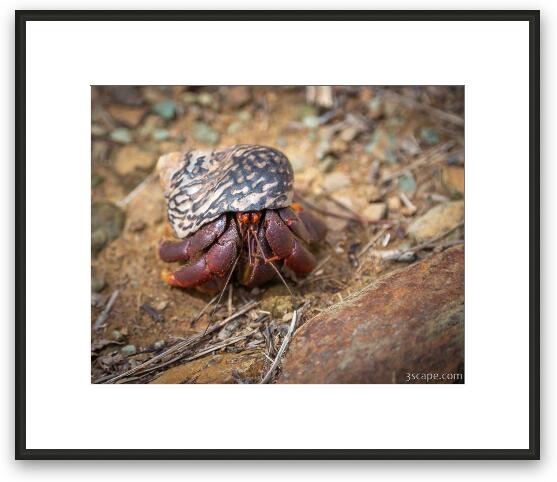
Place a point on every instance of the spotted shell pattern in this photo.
(235, 179)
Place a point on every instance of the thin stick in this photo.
(372, 241)
(229, 304)
(274, 267)
(348, 209)
(313, 274)
(267, 377)
(222, 292)
(434, 240)
(199, 354)
(317, 209)
(104, 315)
(136, 190)
(402, 255)
(205, 308)
(410, 255)
(427, 156)
(185, 343)
(412, 103)
(406, 201)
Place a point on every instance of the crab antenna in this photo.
(273, 266)
(217, 304)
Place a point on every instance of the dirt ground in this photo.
(382, 166)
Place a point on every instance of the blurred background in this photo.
(383, 166)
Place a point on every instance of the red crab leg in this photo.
(287, 246)
(291, 219)
(170, 251)
(314, 226)
(216, 262)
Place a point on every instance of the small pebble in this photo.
(429, 135)
(205, 134)
(98, 284)
(160, 305)
(335, 181)
(298, 163)
(407, 183)
(311, 121)
(244, 116)
(235, 127)
(159, 345)
(375, 211)
(128, 350)
(107, 221)
(99, 239)
(206, 99)
(121, 135)
(160, 135)
(165, 108)
(394, 203)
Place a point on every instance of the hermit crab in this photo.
(233, 213)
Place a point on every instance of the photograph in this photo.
(272, 225)
(255, 234)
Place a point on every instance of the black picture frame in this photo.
(533, 452)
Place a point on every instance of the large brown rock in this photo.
(410, 322)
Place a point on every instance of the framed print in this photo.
(299, 226)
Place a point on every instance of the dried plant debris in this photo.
(382, 166)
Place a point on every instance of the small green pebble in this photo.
(429, 135)
(235, 127)
(128, 350)
(160, 135)
(407, 183)
(205, 134)
(311, 121)
(98, 284)
(121, 135)
(165, 108)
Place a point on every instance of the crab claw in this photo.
(215, 263)
(171, 251)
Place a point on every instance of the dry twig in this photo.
(414, 104)
(122, 203)
(285, 342)
(104, 315)
(372, 241)
(182, 345)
